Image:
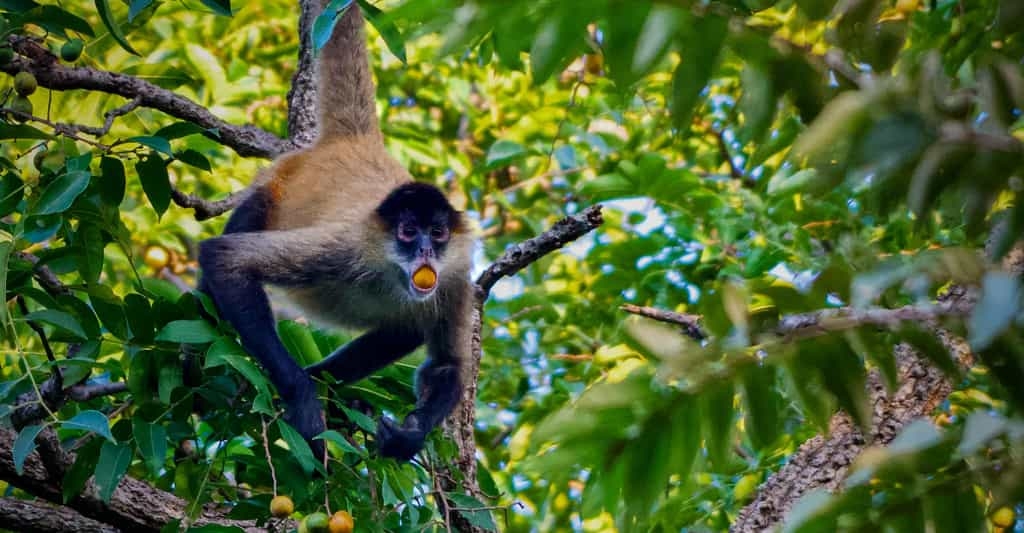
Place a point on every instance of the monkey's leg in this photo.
(367, 354)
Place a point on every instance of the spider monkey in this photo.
(348, 235)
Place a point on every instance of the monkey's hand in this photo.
(400, 442)
(304, 412)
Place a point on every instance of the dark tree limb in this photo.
(246, 140)
(303, 120)
(461, 423)
(134, 506)
(39, 517)
(689, 324)
(206, 209)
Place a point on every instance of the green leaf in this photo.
(103, 7)
(155, 182)
(981, 427)
(999, 304)
(762, 406)
(188, 331)
(136, 7)
(299, 448)
(387, 29)
(341, 441)
(701, 47)
(815, 401)
(80, 472)
(503, 152)
(111, 468)
(953, 508)
(23, 446)
(110, 311)
(225, 351)
(59, 319)
(22, 131)
(661, 26)
(139, 320)
(717, 423)
(843, 374)
(93, 421)
(151, 440)
(12, 191)
(299, 342)
(324, 24)
(54, 20)
(179, 130)
(157, 143)
(171, 376)
(478, 516)
(558, 38)
(112, 184)
(813, 512)
(364, 422)
(61, 193)
(194, 158)
(220, 7)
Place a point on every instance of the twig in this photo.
(266, 450)
(67, 130)
(205, 209)
(108, 118)
(723, 150)
(39, 331)
(519, 256)
(816, 323)
(46, 278)
(689, 323)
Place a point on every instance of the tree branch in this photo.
(246, 140)
(303, 120)
(39, 517)
(134, 506)
(689, 323)
(519, 256)
(205, 209)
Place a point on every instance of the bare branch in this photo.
(46, 278)
(109, 116)
(83, 393)
(134, 506)
(246, 140)
(804, 325)
(689, 323)
(519, 256)
(205, 209)
(39, 517)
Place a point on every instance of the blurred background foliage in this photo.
(757, 159)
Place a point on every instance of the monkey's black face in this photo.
(421, 221)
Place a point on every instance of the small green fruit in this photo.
(25, 83)
(21, 104)
(317, 523)
(71, 50)
(6, 55)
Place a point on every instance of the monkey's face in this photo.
(421, 222)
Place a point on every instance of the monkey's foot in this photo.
(306, 415)
(399, 442)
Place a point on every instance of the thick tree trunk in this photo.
(26, 516)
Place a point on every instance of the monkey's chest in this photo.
(350, 306)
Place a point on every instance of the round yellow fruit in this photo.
(341, 522)
(281, 506)
(157, 257)
(316, 523)
(1003, 517)
(424, 278)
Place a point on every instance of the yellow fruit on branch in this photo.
(281, 506)
(157, 257)
(316, 523)
(341, 522)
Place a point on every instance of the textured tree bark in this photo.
(27, 516)
(823, 461)
(135, 505)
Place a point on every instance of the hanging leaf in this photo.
(61, 193)
(103, 7)
(717, 423)
(188, 331)
(157, 143)
(151, 440)
(761, 405)
(93, 421)
(387, 29)
(299, 448)
(136, 7)
(112, 183)
(700, 49)
(999, 304)
(324, 24)
(155, 182)
(23, 446)
(220, 7)
(111, 468)
(59, 319)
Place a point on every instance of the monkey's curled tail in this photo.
(346, 88)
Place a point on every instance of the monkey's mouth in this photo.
(424, 280)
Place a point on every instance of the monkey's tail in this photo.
(346, 88)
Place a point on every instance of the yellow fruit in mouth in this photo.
(424, 278)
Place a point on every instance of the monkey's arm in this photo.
(235, 267)
(368, 354)
(439, 383)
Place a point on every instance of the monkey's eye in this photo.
(407, 232)
(439, 233)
